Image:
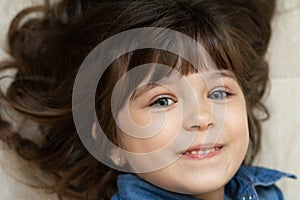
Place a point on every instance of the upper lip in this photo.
(207, 146)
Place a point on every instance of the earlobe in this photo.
(116, 157)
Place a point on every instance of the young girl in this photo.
(144, 99)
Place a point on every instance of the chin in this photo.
(209, 183)
(197, 186)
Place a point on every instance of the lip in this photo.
(211, 151)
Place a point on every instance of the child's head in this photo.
(48, 53)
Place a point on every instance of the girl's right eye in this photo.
(162, 102)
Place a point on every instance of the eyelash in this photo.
(156, 104)
(225, 94)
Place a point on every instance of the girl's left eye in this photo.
(219, 95)
(162, 102)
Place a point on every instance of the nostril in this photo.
(202, 126)
(195, 127)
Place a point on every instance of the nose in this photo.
(198, 117)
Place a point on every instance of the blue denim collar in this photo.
(131, 187)
(242, 186)
(255, 183)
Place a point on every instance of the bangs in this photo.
(205, 53)
(190, 60)
(149, 65)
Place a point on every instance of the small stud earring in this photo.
(119, 161)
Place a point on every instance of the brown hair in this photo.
(47, 52)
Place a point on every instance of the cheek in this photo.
(140, 117)
(161, 128)
(238, 130)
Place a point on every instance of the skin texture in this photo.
(208, 106)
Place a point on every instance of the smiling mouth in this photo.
(202, 151)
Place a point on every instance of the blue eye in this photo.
(163, 102)
(219, 95)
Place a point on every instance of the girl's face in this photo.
(211, 107)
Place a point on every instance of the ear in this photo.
(114, 154)
(94, 131)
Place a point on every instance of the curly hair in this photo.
(47, 52)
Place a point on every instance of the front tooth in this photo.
(206, 151)
(202, 151)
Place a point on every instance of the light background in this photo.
(281, 139)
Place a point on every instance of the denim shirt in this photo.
(249, 183)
